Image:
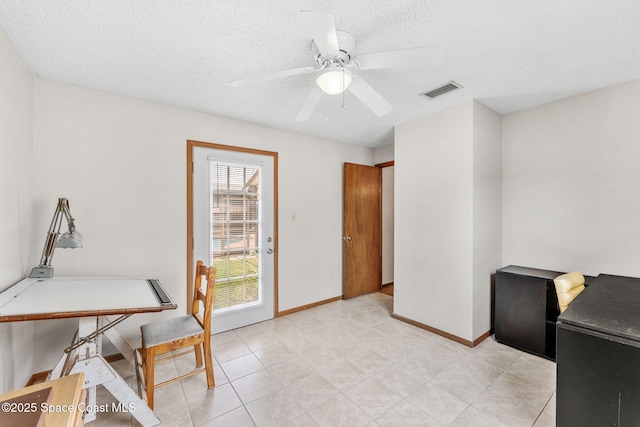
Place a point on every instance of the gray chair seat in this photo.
(170, 330)
(176, 335)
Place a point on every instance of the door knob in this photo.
(346, 238)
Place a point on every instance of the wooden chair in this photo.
(192, 330)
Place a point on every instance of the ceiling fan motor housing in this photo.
(347, 50)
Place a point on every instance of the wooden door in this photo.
(362, 230)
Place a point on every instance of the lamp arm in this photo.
(72, 239)
(63, 204)
(52, 235)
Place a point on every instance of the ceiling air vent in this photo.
(441, 90)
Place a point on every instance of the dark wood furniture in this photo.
(598, 355)
(526, 309)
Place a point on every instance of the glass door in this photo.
(233, 196)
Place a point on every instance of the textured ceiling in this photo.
(507, 54)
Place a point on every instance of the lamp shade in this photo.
(70, 239)
(334, 80)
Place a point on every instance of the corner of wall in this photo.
(16, 216)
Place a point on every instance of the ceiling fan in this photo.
(334, 52)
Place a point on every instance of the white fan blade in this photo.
(310, 104)
(426, 56)
(272, 76)
(370, 97)
(323, 30)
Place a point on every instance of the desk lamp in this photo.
(70, 239)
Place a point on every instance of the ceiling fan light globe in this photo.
(334, 81)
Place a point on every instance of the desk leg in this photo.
(56, 372)
(98, 371)
(88, 350)
(121, 344)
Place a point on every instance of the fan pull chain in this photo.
(344, 104)
(324, 104)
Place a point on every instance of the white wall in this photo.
(125, 177)
(387, 224)
(572, 183)
(434, 220)
(16, 215)
(487, 211)
(448, 218)
(383, 154)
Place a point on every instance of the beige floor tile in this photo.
(438, 403)
(370, 361)
(497, 354)
(406, 414)
(348, 363)
(473, 417)
(212, 403)
(236, 418)
(467, 377)
(259, 342)
(312, 390)
(241, 366)
(274, 409)
(304, 420)
(545, 420)
(535, 370)
(291, 370)
(224, 352)
(401, 379)
(320, 357)
(171, 407)
(373, 396)
(339, 411)
(513, 401)
(255, 385)
(550, 409)
(275, 354)
(343, 375)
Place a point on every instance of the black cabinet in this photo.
(526, 309)
(598, 356)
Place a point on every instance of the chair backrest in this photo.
(568, 286)
(204, 296)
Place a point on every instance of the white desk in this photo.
(99, 303)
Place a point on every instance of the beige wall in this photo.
(383, 154)
(125, 177)
(434, 220)
(447, 218)
(487, 211)
(572, 183)
(17, 253)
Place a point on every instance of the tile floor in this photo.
(348, 363)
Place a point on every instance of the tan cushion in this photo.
(568, 286)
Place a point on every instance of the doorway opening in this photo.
(387, 227)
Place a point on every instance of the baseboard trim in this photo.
(442, 333)
(386, 284)
(307, 306)
(481, 338)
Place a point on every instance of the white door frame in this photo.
(230, 150)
